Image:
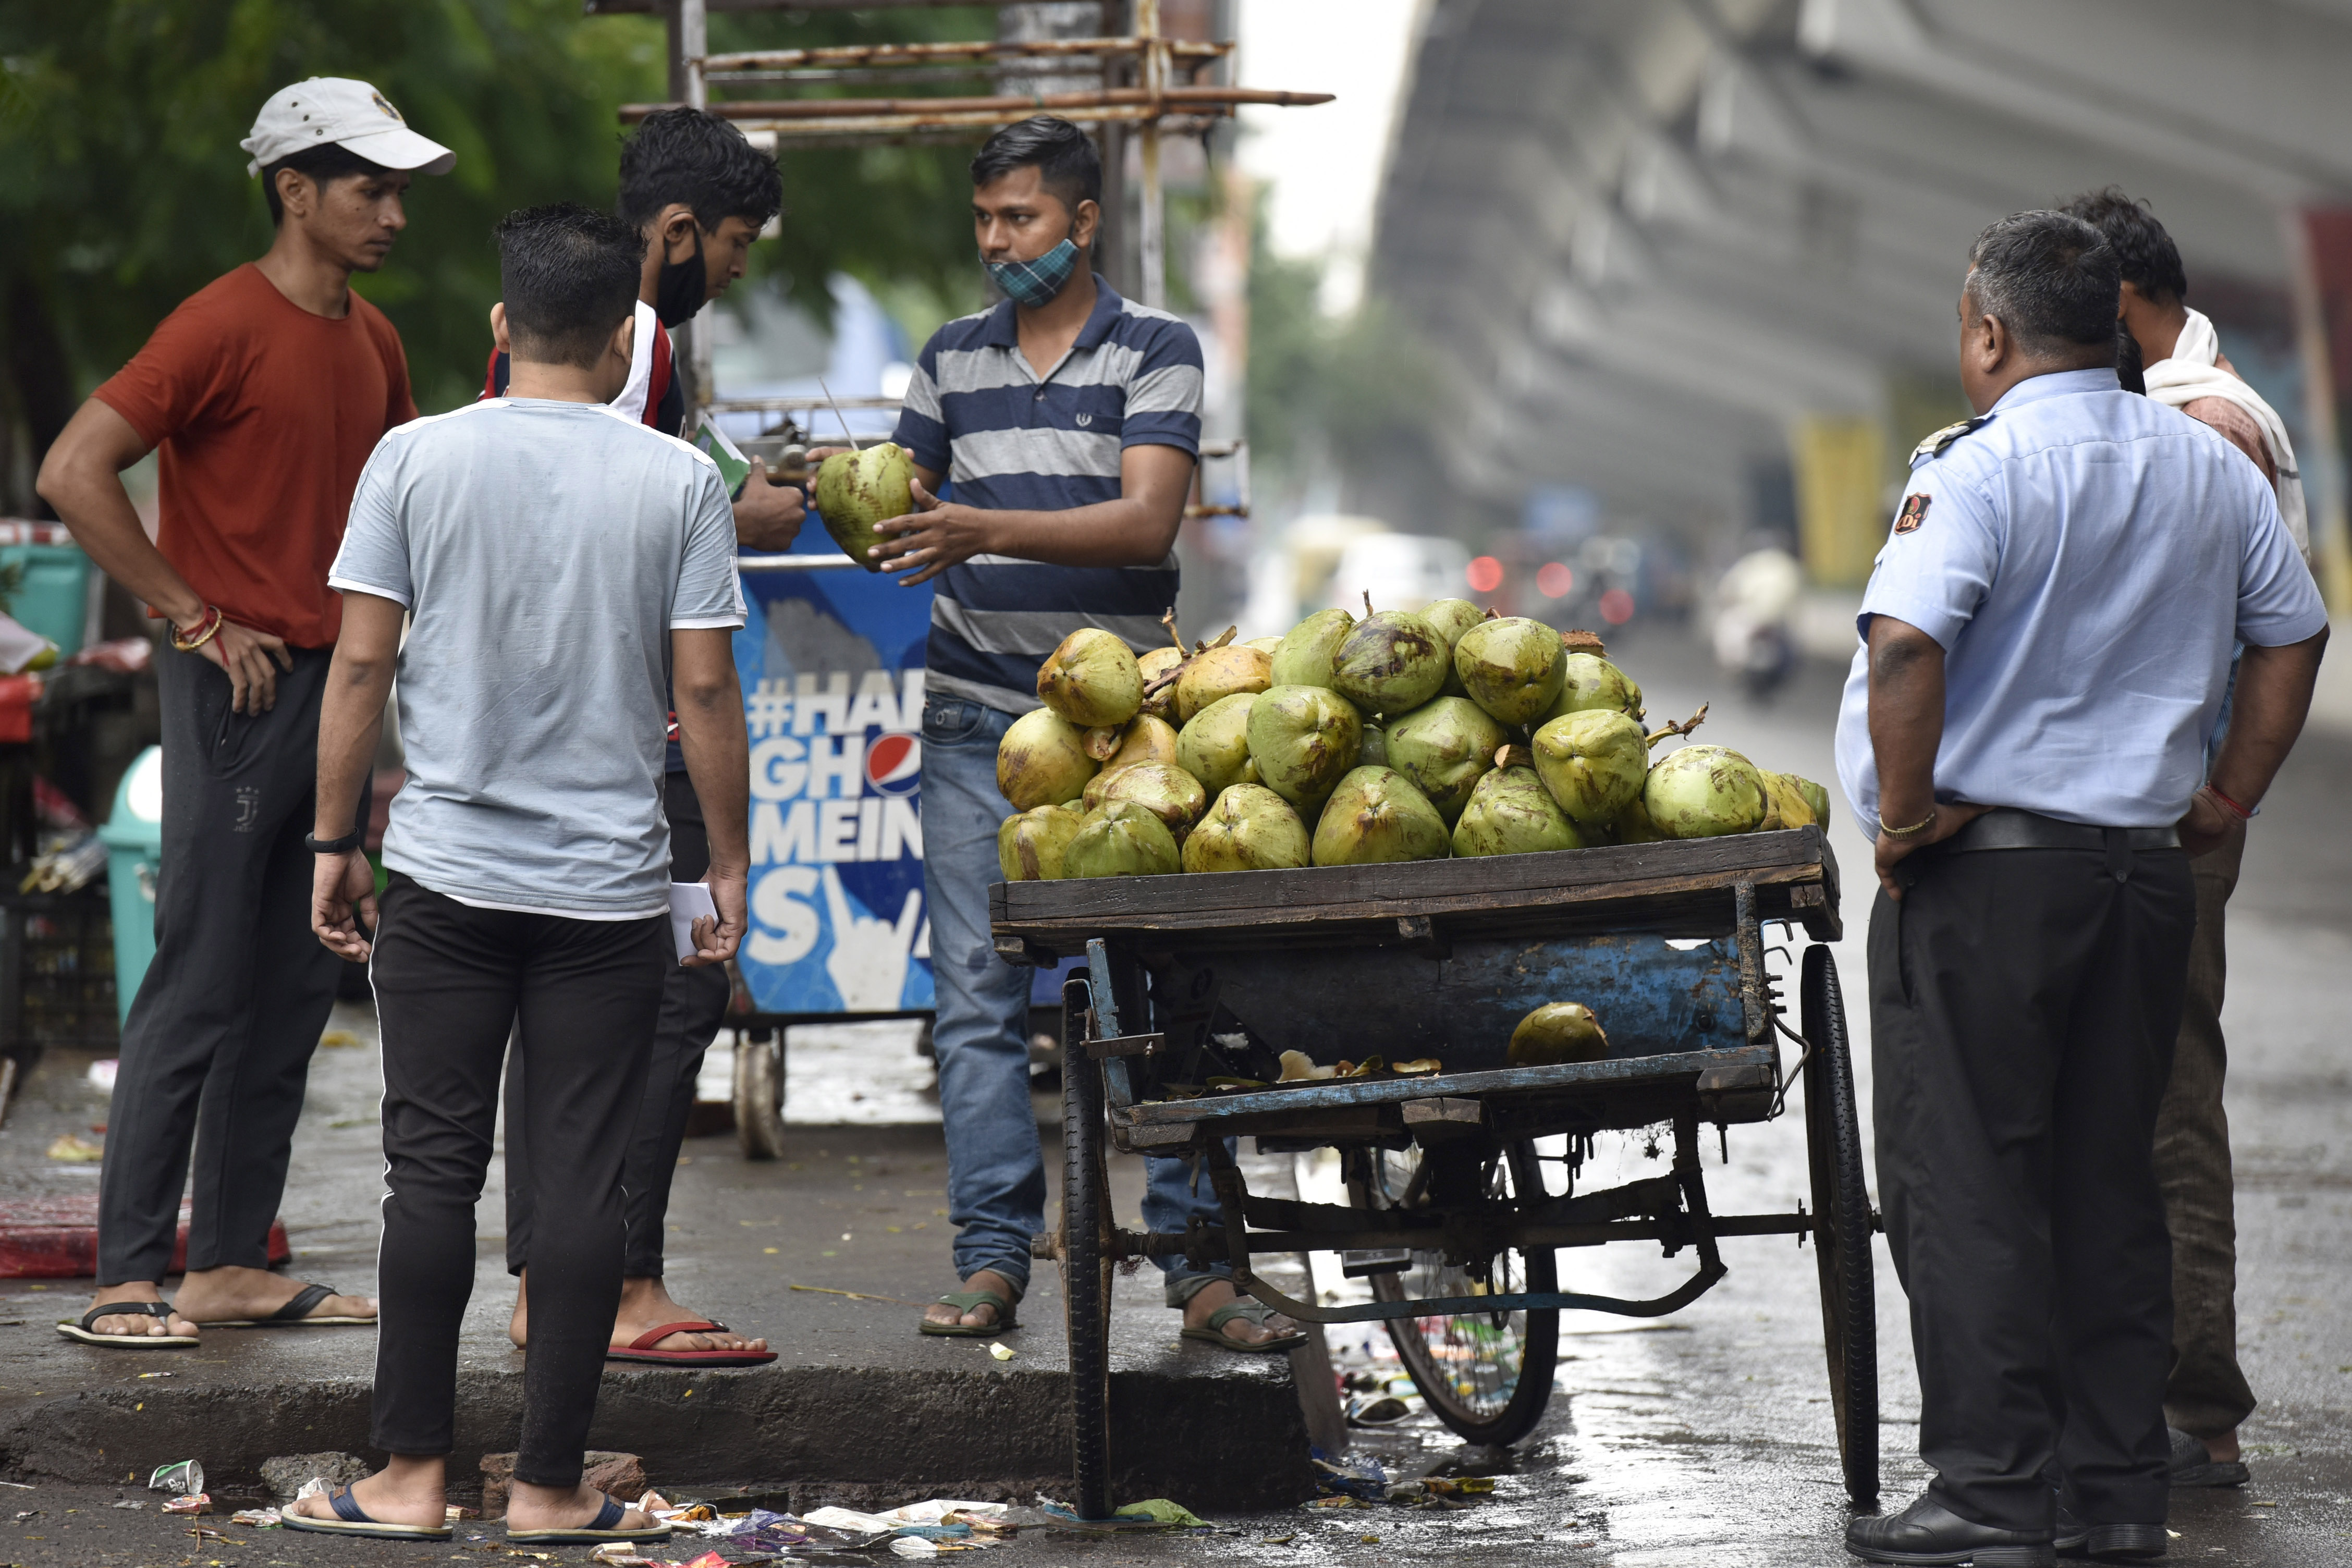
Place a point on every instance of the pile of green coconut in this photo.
(1401, 736)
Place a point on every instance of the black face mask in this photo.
(683, 286)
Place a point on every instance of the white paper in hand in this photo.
(688, 902)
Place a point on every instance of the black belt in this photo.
(2006, 827)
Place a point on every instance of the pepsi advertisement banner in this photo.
(831, 667)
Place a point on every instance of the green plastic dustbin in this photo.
(53, 599)
(133, 836)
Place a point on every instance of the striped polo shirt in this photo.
(1010, 439)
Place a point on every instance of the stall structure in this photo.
(832, 657)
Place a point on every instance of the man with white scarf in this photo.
(2207, 1396)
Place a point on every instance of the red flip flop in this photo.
(641, 1349)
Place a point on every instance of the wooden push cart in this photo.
(1461, 1181)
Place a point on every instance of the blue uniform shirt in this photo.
(2088, 558)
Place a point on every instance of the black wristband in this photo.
(343, 846)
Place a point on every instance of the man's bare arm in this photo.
(350, 719)
(82, 478)
(718, 759)
(1907, 729)
(2272, 699)
(1138, 529)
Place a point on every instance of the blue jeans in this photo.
(996, 1169)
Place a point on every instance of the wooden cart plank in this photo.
(1582, 885)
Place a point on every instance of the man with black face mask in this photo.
(700, 194)
(1069, 420)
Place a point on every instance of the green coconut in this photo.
(856, 491)
(1785, 804)
(1374, 751)
(1305, 655)
(1159, 662)
(1451, 617)
(1511, 813)
(1303, 739)
(1267, 645)
(1042, 760)
(1557, 1032)
(1121, 838)
(1704, 792)
(1091, 679)
(1590, 682)
(1220, 672)
(1817, 797)
(1390, 663)
(1444, 746)
(1163, 789)
(1029, 843)
(1250, 828)
(1592, 762)
(1215, 747)
(1143, 740)
(1510, 668)
(1375, 817)
(1634, 824)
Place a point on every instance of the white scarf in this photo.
(2191, 374)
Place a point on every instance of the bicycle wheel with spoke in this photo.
(1487, 1376)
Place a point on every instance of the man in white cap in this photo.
(265, 393)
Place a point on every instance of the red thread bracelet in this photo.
(2244, 814)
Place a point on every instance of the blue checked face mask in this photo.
(1034, 283)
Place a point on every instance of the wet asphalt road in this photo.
(1706, 1439)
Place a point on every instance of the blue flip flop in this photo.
(350, 1518)
(608, 1518)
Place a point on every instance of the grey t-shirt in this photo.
(545, 551)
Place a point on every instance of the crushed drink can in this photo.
(186, 1477)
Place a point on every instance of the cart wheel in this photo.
(1842, 1237)
(1487, 1376)
(760, 1096)
(1085, 1266)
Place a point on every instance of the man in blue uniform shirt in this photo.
(2047, 635)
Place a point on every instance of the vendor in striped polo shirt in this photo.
(1068, 421)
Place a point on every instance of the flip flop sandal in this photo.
(90, 1336)
(350, 1518)
(2192, 1463)
(295, 1314)
(964, 1301)
(641, 1349)
(607, 1516)
(1257, 1313)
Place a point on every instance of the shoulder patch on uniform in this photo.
(1933, 447)
(1914, 513)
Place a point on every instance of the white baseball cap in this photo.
(349, 113)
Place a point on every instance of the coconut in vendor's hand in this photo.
(1215, 747)
(1785, 804)
(1592, 762)
(1166, 791)
(1590, 682)
(1042, 760)
(1303, 658)
(1121, 838)
(856, 491)
(1304, 739)
(1375, 817)
(1390, 662)
(1510, 668)
(1152, 667)
(1704, 792)
(1451, 617)
(1220, 672)
(1557, 1032)
(1029, 843)
(1511, 813)
(1250, 828)
(1091, 679)
(1444, 746)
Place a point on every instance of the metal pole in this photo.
(1151, 237)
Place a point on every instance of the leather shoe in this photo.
(2108, 1543)
(1930, 1534)
(2193, 1465)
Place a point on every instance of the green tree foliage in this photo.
(122, 189)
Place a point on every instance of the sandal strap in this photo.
(124, 1309)
(347, 1506)
(609, 1517)
(652, 1337)
(298, 1307)
(1257, 1313)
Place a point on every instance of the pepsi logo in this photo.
(894, 765)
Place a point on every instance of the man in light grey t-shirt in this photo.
(561, 570)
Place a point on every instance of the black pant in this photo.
(580, 997)
(218, 1042)
(694, 1004)
(2023, 1005)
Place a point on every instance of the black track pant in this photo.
(694, 1004)
(580, 997)
(217, 1046)
(2023, 1007)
